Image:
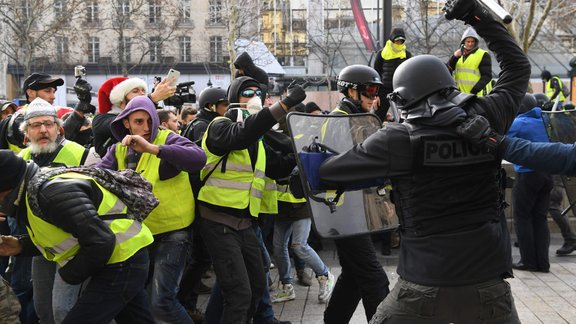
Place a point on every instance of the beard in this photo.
(43, 149)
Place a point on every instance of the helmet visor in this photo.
(370, 90)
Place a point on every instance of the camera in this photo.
(185, 93)
(79, 71)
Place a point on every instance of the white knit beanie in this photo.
(120, 91)
(39, 107)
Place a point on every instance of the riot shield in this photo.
(339, 214)
(561, 127)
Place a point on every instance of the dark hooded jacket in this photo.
(176, 155)
(227, 135)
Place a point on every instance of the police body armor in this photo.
(447, 209)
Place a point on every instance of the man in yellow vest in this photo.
(90, 225)
(164, 158)
(47, 147)
(553, 87)
(232, 196)
(471, 65)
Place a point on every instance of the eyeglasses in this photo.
(249, 93)
(370, 90)
(399, 41)
(38, 125)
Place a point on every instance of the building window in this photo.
(92, 12)
(185, 46)
(93, 49)
(123, 8)
(126, 44)
(154, 11)
(184, 8)
(61, 46)
(216, 49)
(59, 8)
(155, 49)
(215, 12)
(26, 9)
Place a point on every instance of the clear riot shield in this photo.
(561, 127)
(339, 214)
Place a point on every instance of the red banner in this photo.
(362, 25)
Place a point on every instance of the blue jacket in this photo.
(528, 126)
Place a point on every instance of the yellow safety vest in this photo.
(269, 204)
(239, 186)
(176, 208)
(70, 154)
(550, 91)
(285, 195)
(467, 73)
(60, 246)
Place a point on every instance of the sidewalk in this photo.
(540, 297)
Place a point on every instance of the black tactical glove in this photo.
(548, 106)
(469, 11)
(82, 89)
(296, 95)
(477, 131)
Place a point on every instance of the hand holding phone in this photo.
(172, 77)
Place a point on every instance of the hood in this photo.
(470, 32)
(137, 103)
(238, 84)
(535, 113)
(397, 33)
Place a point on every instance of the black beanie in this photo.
(12, 168)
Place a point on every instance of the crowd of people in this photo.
(119, 216)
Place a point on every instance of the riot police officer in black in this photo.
(362, 276)
(455, 251)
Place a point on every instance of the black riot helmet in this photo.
(527, 103)
(419, 77)
(541, 99)
(357, 77)
(210, 97)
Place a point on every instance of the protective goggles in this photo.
(249, 93)
(370, 90)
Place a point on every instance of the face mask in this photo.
(254, 105)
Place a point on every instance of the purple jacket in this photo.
(177, 154)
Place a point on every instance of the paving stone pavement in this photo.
(546, 298)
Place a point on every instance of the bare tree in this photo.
(31, 26)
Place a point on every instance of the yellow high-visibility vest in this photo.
(176, 208)
(60, 246)
(467, 73)
(239, 186)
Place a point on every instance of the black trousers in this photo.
(531, 198)
(362, 278)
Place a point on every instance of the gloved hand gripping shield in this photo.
(362, 207)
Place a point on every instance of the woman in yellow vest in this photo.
(73, 220)
(163, 158)
(553, 87)
(471, 65)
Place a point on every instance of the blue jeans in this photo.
(117, 292)
(299, 230)
(167, 262)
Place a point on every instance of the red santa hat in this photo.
(104, 104)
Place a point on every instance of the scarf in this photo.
(392, 51)
(128, 185)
